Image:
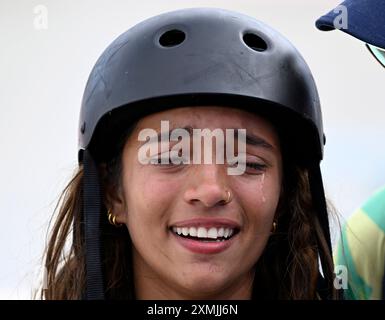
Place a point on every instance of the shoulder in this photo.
(374, 208)
(368, 222)
(362, 246)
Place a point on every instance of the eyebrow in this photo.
(251, 139)
(166, 134)
(255, 140)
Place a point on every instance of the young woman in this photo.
(150, 219)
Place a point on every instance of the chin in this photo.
(205, 282)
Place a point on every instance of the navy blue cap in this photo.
(365, 20)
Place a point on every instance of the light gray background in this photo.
(43, 74)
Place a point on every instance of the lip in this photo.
(197, 246)
(209, 247)
(207, 223)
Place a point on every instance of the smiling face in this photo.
(197, 231)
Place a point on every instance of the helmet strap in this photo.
(319, 202)
(92, 229)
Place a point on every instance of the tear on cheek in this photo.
(261, 189)
(269, 192)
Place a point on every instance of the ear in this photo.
(113, 196)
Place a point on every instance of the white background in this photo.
(42, 78)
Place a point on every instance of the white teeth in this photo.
(185, 231)
(212, 233)
(202, 232)
(193, 232)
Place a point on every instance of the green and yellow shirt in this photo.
(362, 249)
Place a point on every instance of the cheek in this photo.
(147, 202)
(269, 191)
(260, 199)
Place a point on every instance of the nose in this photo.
(208, 186)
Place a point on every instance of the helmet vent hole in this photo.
(172, 38)
(255, 42)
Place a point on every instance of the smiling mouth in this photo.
(203, 234)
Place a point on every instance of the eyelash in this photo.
(256, 166)
(252, 165)
(157, 162)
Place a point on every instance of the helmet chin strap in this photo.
(92, 229)
(319, 202)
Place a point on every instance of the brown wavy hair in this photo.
(287, 269)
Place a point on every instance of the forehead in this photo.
(210, 117)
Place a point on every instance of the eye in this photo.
(256, 167)
(172, 158)
(252, 164)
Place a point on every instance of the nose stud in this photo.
(228, 198)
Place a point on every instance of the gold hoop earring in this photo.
(274, 227)
(112, 219)
(228, 193)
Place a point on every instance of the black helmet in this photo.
(194, 57)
